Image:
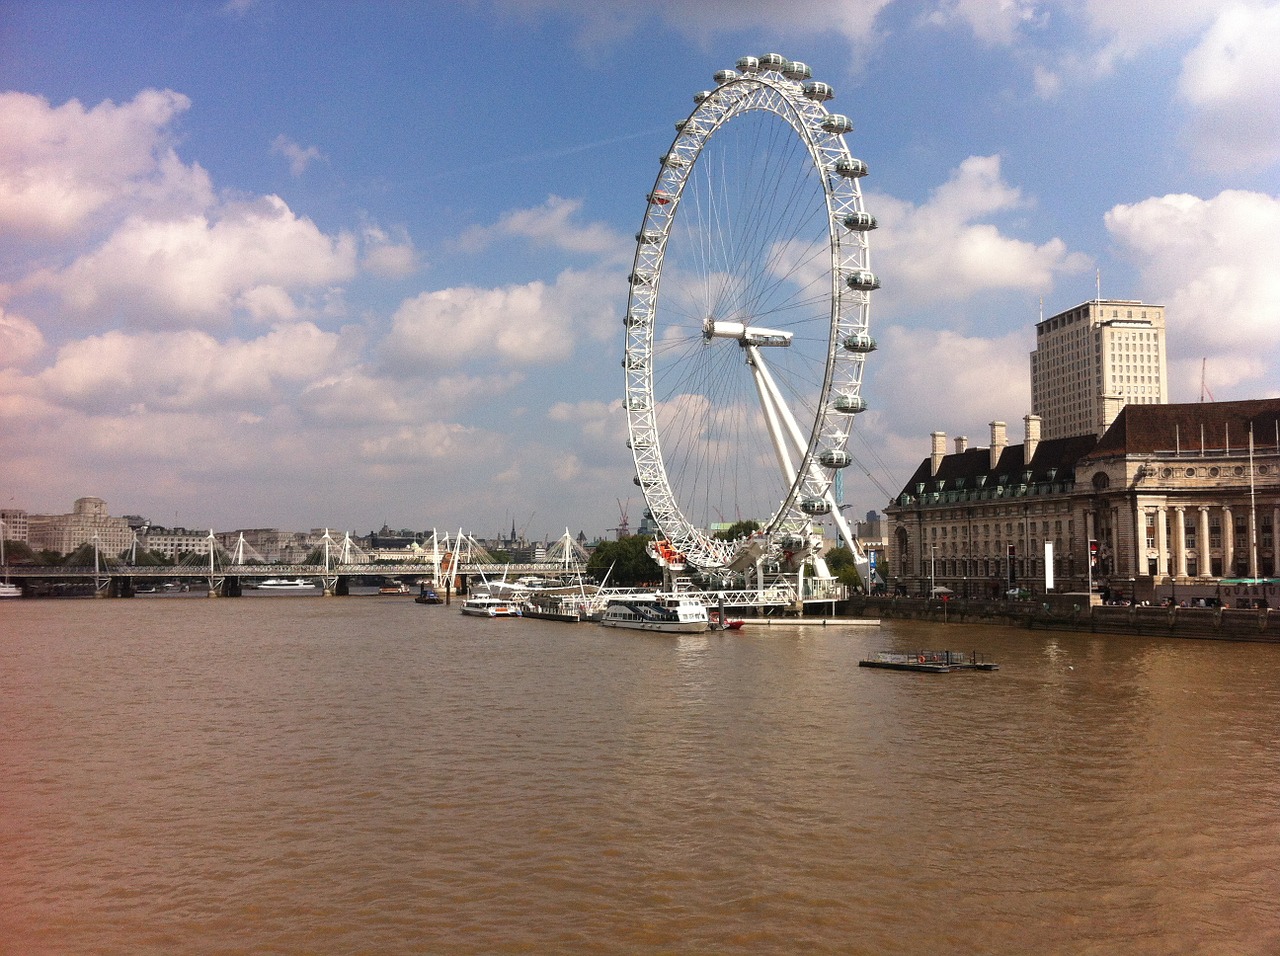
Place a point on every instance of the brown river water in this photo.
(289, 775)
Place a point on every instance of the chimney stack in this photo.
(962, 444)
(1032, 423)
(938, 452)
(998, 442)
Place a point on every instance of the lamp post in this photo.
(933, 556)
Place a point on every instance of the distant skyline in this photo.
(273, 264)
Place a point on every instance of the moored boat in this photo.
(428, 596)
(482, 605)
(663, 613)
(719, 622)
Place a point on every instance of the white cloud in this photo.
(940, 251)
(1212, 262)
(1232, 82)
(20, 340)
(190, 370)
(62, 167)
(606, 23)
(386, 256)
(550, 225)
(246, 256)
(299, 158)
(994, 22)
(530, 324)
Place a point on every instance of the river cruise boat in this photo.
(664, 613)
(483, 605)
(287, 584)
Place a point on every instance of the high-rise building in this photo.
(1092, 360)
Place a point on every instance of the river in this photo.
(293, 774)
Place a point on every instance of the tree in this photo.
(844, 566)
(625, 561)
(739, 529)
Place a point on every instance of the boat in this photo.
(394, 587)
(7, 589)
(570, 608)
(483, 605)
(287, 584)
(718, 622)
(428, 596)
(929, 662)
(663, 613)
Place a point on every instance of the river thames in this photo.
(296, 775)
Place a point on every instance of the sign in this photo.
(1048, 565)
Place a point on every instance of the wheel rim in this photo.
(752, 231)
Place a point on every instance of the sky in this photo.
(322, 264)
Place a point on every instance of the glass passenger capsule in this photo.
(859, 342)
(659, 198)
(773, 61)
(701, 95)
(815, 506)
(864, 280)
(837, 123)
(640, 278)
(834, 458)
(849, 404)
(796, 70)
(818, 91)
(648, 238)
(748, 64)
(860, 221)
(850, 168)
(725, 76)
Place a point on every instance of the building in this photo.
(1092, 360)
(16, 527)
(88, 523)
(1172, 497)
(172, 543)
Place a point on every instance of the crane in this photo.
(624, 519)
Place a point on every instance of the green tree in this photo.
(739, 529)
(19, 552)
(843, 565)
(626, 562)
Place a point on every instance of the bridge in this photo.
(452, 561)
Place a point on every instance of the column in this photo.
(1162, 542)
(1275, 541)
(1180, 542)
(1228, 542)
(1139, 524)
(1253, 537)
(1203, 570)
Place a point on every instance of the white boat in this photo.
(7, 590)
(664, 613)
(484, 605)
(287, 584)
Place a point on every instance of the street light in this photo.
(933, 556)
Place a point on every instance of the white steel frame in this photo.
(789, 530)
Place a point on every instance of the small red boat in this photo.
(719, 623)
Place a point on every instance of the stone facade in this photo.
(88, 521)
(1172, 495)
(1092, 360)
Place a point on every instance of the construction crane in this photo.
(624, 519)
(1204, 387)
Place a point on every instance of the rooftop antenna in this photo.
(1098, 288)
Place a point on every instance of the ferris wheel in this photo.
(747, 323)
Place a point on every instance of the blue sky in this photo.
(268, 263)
